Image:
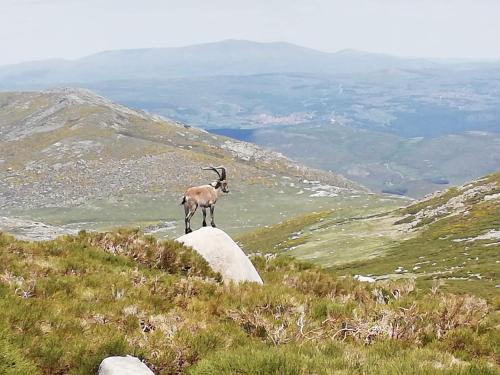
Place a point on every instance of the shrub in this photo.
(12, 360)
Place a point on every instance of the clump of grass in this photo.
(12, 360)
(167, 255)
(467, 344)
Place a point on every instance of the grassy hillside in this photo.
(451, 237)
(68, 303)
(458, 242)
(71, 158)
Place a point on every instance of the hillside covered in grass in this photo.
(452, 237)
(68, 303)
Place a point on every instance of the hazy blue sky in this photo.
(36, 29)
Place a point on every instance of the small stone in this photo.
(364, 279)
(123, 366)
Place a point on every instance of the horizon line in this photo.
(219, 41)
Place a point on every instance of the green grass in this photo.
(248, 207)
(342, 241)
(303, 231)
(277, 237)
(67, 304)
(333, 358)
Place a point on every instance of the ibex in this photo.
(204, 196)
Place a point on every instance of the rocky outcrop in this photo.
(123, 366)
(457, 204)
(222, 253)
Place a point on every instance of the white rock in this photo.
(222, 253)
(123, 366)
(365, 279)
(492, 234)
(492, 197)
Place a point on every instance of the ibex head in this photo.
(222, 182)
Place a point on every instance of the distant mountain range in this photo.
(416, 123)
(230, 57)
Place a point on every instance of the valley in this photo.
(72, 160)
(385, 162)
(429, 123)
(76, 160)
(91, 190)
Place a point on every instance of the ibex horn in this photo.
(212, 169)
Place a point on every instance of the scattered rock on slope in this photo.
(222, 253)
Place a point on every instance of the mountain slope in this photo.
(71, 156)
(451, 236)
(456, 239)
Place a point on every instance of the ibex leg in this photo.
(204, 216)
(212, 222)
(189, 212)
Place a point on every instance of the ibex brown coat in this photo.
(204, 196)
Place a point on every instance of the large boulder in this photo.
(123, 366)
(222, 253)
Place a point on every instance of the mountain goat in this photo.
(204, 196)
